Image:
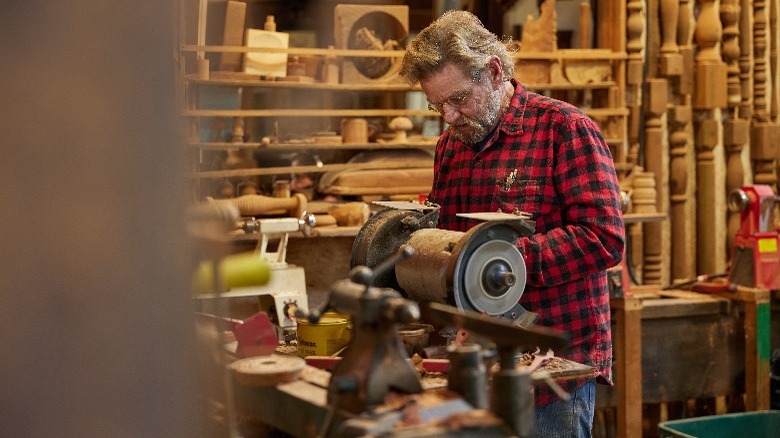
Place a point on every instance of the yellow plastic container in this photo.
(327, 337)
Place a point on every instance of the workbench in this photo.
(300, 407)
(676, 345)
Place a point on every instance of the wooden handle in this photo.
(351, 213)
(252, 205)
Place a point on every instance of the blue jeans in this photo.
(568, 419)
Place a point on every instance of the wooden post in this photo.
(709, 97)
(682, 162)
(757, 326)
(670, 61)
(635, 28)
(746, 59)
(657, 162)
(735, 130)
(627, 341)
(679, 120)
(764, 132)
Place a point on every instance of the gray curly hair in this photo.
(457, 37)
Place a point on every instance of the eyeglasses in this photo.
(456, 100)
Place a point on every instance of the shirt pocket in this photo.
(525, 195)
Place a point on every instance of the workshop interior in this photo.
(219, 222)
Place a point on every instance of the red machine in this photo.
(756, 258)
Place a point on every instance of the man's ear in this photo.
(496, 73)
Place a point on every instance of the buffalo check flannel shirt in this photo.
(548, 159)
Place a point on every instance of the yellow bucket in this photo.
(325, 338)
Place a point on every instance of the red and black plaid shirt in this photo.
(548, 159)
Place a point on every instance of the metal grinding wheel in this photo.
(494, 278)
(487, 272)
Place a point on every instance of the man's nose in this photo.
(450, 113)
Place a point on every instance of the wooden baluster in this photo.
(685, 45)
(735, 130)
(683, 261)
(760, 110)
(657, 162)
(670, 60)
(670, 66)
(775, 82)
(763, 135)
(746, 59)
(682, 161)
(709, 96)
(729, 16)
(655, 146)
(635, 26)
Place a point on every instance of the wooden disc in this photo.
(267, 370)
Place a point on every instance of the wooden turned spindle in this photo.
(258, 205)
(682, 162)
(729, 15)
(760, 110)
(735, 131)
(635, 27)
(764, 132)
(710, 248)
(679, 120)
(735, 136)
(746, 59)
(711, 72)
(668, 14)
(656, 162)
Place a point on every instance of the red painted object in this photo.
(756, 258)
(256, 336)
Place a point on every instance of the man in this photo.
(509, 149)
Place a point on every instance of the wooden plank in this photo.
(233, 35)
(310, 113)
(665, 308)
(396, 164)
(632, 218)
(246, 80)
(307, 146)
(757, 329)
(557, 55)
(691, 357)
(627, 334)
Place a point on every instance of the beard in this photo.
(483, 123)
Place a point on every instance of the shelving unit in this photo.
(269, 110)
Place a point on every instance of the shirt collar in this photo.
(512, 122)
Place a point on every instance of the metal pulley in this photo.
(480, 270)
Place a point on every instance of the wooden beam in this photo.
(628, 365)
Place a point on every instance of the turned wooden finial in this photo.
(270, 23)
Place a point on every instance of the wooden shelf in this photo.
(282, 85)
(266, 171)
(562, 54)
(308, 113)
(633, 218)
(321, 146)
